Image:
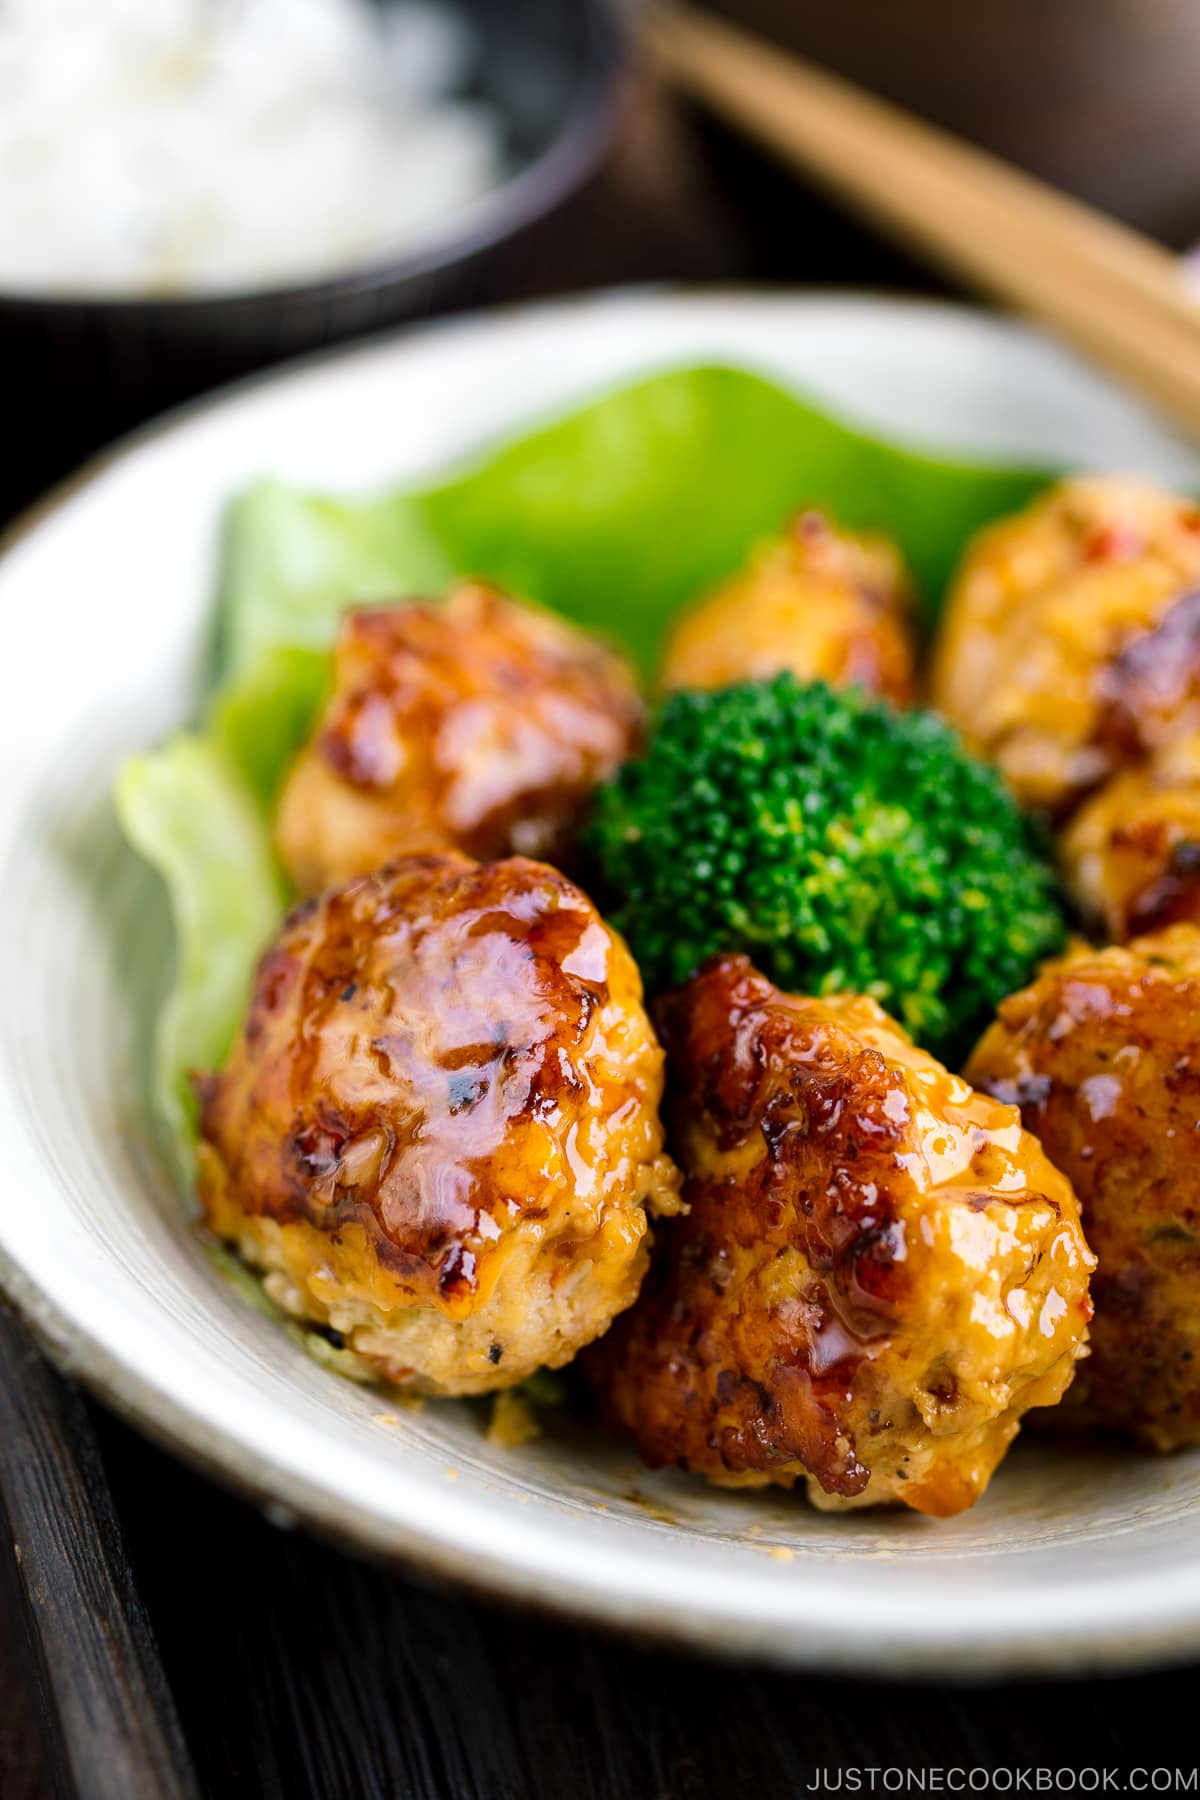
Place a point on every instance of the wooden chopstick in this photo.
(1114, 294)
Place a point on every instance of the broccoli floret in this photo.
(841, 845)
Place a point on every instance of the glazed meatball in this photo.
(438, 1133)
(479, 725)
(1071, 639)
(1131, 854)
(824, 604)
(1102, 1054)
(878, 1274)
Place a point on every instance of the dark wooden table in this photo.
(298, 1672)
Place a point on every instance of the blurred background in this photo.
(1098, 99)
(199, 188)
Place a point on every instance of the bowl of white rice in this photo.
(193, 188)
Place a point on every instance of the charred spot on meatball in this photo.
(1154, 681)
(1131, 854)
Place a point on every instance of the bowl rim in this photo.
(1129, 1636)
(291, 1500)
(515, 202)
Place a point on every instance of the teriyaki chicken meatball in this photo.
(1131, 855)
(1070, 645)
(479, 725)
(438, 1133)
(878, 1274)
(1102, 1055)
(820, 603)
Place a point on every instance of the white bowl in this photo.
(1076, 1558)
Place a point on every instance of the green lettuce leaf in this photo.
(616, 515)
(261, 717)
(190, 814)
(291, 561)
(620, 514)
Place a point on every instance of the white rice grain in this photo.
(175, 146)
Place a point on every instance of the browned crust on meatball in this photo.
(1070, 644)
(1102, 1054)
(846, 1206)
(718, 1378)
(480, 725)
(1153, 683)
(822, 603)
(1131, 854)
(445, 1072)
